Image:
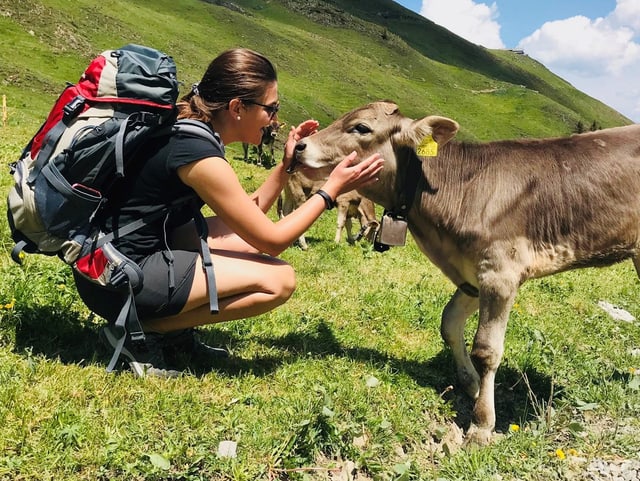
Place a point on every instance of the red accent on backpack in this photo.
(54, 117)
(92, 265)
(90, 80)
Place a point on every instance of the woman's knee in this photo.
(287, 284)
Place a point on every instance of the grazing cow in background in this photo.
(493, 215)
(269, 134)
(349, 206)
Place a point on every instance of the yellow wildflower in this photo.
(11, 304)
(573, 452)
(514, 428)
(560, 454)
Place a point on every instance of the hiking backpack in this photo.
(69, 169)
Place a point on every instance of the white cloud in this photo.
(473, 21)
(627, 13)
(582, 45)
(598, 56)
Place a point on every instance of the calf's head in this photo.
(375, 127)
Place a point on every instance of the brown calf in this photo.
(350, 206)
(493, 215)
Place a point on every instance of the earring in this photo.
(238, 117)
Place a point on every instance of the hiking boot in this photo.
(145, 357)
(184, 346)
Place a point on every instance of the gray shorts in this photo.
(155, 299)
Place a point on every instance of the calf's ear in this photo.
(441, 129)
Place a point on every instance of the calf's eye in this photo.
(361, 129)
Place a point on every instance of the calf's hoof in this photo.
(478, 436)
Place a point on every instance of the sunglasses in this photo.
(272, 109)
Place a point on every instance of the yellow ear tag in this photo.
(428, 147)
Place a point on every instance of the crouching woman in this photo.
(236, 98)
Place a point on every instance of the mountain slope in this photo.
(331, 57)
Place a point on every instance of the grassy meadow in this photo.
(349, 379)
(349, 375)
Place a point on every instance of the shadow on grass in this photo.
(65, 336)
(513, 404)
(56, 334)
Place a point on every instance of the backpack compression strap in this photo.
(207, 263)
(127, 322)
(70, 112)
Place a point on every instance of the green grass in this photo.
(352, 368)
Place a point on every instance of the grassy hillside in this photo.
(331, 55)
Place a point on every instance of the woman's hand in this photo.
(305, 129)
(348, 175)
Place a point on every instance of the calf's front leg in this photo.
(348, 225)
(497, 293)
(340, 223)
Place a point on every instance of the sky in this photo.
(592, 44)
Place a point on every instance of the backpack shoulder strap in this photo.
(198, 129)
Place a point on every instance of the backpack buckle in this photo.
(73, 108)
(137, 337)
(148, 118)
(119, 278)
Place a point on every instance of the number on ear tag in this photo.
(428, 147)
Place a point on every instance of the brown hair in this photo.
(237, 73)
